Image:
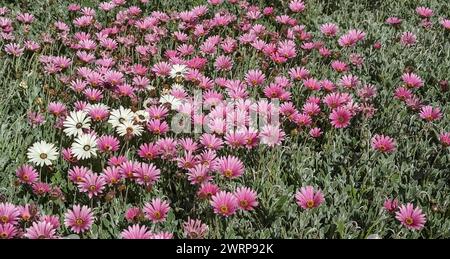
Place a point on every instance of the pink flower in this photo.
(329, 29)
(446, 24)
(403, 93)
(195, 229)
(445, 139)
(207, 190)
(14, 49)
(410, 217)
(57, 109)
(384, 144)
(7, 231)
(286, 49)
(157, 127)
(429, 113)
(162, 235)
(351, 38)
(424, 12)
(408, 39)
(255, 77)
(40, 230)
(9, 213)
(297, 6)
(340, 117)
(93, 184)
(230, 167)
(412, 80)
(210, 141)
(298, 73)
(40, 188)
(111, 174)
(133, 214)
(339, 66)
(156, 210)
(148, 151)
(108, 144)
(224, 203)
(312, 84)
(393, 20)
(136, 232)
(390, 205)
(247, 198)
(27, 174)
(146, 174)
(271, 135)
(223, 63)
(79, 219)
(308, 198)
(315, 132)
(199, 174)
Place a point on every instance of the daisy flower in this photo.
(119, 116)
(7, 231)
(384, 144)
(136, 232)
(156, 210)
(178, 71)
(224, 203)
(27, 174)
(93, 184)
(195, 229)
(40, 230)
(75, 123)
(79, 218)
(9, 213)
(410, 217)
(85, 146)
(42, 153)
(171, 100)
(129, 129)
(247, 198)
(308, 198)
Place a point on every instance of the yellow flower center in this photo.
(79, 221)
(157, 215)
(92, 188)
(86, 147)
(129, 130)
(25, 177)
(4, 219)
(228, 173)
(310, 204)
(79, 125)
(3, 235)
(224, 209)
(243, 203)
(409, 221)
(43, 156)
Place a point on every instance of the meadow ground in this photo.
(355, 175)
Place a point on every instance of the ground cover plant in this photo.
(224, 119)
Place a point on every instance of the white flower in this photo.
(76, 122)
(178, 71)
(150, 88)
(172, 100)
(42, 153)
(85, 146)
(141, 116)
(129, 129)
(120, 115)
